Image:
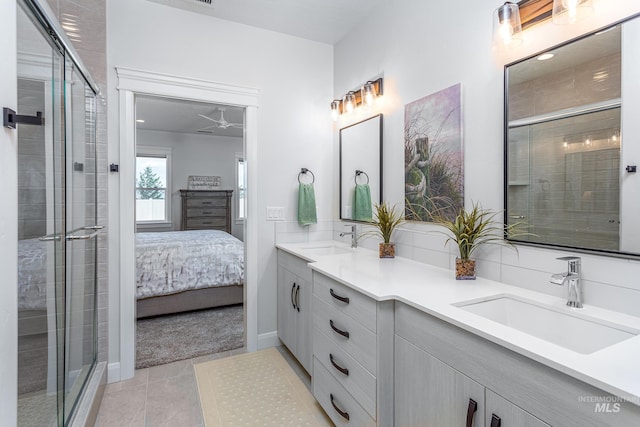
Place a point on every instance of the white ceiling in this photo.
(176, 115)
(325, 21)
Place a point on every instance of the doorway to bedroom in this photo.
(190, 211)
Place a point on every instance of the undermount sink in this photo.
(560, 326)
(326, 250)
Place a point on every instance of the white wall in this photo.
(420, 52)
(8, 221)
(196, 155)
(294, 77)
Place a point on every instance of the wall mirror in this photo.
(572, 144)
(360, 169)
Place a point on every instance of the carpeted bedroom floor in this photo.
(174, 337)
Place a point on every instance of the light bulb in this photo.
(506, 32)
(572, 9)
(349, 102)
(335, 110)
(368, 94)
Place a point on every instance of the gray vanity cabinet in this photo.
(439, 367)
(431, 393)
(294, 306)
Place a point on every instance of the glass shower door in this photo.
(57, 228)
(41, 227)
(80, 341)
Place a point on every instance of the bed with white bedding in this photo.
(187, 270)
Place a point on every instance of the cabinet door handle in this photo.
(495, 421)
(340, 369)
(293, 302)
(298, 298)
(471, 411)
(338, 297)
(339, 331)
(342, 413)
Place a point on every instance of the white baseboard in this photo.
(267, 340)
(113, 372)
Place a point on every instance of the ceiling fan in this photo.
(220, 123)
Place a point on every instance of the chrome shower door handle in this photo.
(74, 236)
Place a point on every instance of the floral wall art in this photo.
(433, 156)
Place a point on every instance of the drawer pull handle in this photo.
(293, 302)
(471, 411)
(495, 421)
(206, 212)
(339, 331)
(338, 297)
(342, 413)
(298, 298)
(342, 370)
(207, 203)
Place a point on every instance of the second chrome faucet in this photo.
(352, 233)
(572, 279)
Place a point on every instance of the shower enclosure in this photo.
(56, 125)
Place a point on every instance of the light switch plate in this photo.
(275, 213)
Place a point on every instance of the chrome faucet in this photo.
(352, 233)
(572, 279)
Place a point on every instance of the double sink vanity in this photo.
(394, 342)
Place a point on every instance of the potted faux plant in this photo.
(386, 220)
(471, 229)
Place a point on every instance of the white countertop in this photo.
(614, 369)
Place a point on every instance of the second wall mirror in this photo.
(360, 169)
(572, 147)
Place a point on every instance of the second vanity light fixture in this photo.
(511, 18)
(364, 97)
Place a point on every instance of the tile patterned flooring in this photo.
(165, 395)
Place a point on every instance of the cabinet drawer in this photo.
(206, 212)
(203, 202)
(360, 343)
(334, 398)
(360, 307)
(192, 223)
(360, 382)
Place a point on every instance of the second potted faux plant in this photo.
(386, 220)
(471, 229)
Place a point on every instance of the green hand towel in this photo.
(306, 205)
(362, 203)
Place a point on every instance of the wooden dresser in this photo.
(206, 209)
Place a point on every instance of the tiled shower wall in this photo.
(31, 160)
(86, 26)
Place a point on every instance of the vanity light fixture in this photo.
(507, 29)
(363, 97)
(571, 11)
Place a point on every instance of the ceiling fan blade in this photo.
(207, 129)
(209, 118)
